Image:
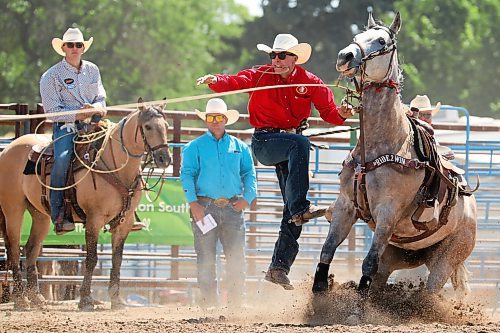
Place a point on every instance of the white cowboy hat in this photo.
(218, 106)
(423, 103)
(288, 43)
(73, 35)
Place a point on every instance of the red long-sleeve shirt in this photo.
(281, 107)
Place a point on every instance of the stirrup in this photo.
(138, 226)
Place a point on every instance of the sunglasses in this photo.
(219, 118)
(424, 115)
(71, 45)
(421, 114)
(281, 55)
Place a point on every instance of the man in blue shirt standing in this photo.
(218, 178)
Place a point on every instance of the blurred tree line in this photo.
(148, 48)
(156, 48)
(448, 49)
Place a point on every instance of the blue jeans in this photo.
(230, 231)
(289, 153)
(63, 153)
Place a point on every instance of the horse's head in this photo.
(371, 53)
(153, 125)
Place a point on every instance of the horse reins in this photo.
(361, 168)
(149, 154)
(127, 192)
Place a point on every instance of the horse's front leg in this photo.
(343, 216)
(118, 241)
(39, 230)
(13, 219)
(91, 235)
(385, 224)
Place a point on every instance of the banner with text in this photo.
(167, 222)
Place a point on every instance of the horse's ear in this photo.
(164, 104)
(396, 23)
(140, 104)
(371, 21)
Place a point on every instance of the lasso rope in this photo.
(107, 132)
(332, 132)
(167, 101)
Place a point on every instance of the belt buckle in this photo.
(221, 202)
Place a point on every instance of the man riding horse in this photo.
(72, 84)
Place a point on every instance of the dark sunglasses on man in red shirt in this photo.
(281, 55)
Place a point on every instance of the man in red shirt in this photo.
(277, 116)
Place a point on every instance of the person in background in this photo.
(279, 115)
(420, 107)
(219, 180)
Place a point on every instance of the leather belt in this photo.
(62, 123)
(220, 202)
(277, 130)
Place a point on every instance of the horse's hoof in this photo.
(320, 287)
(118, 305)
(38, 301)
(353, 319)
(87, 304)
(320, 284)
(364, 286)
(86, 307)
(22, 303)
(96, 302)
(5, 297)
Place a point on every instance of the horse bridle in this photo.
(385, 49)
(147, 146)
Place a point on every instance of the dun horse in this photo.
(384, 181)
(102, 197)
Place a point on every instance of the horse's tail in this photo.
(3, 230)
(460, 280)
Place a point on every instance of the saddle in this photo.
(443, 183)
(41, 160)
(441, 178)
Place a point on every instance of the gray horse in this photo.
(385, 163)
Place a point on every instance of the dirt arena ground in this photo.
(272, 310)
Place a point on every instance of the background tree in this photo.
(448, 48)
(450, 52)
(152, 48)
(157, 48)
